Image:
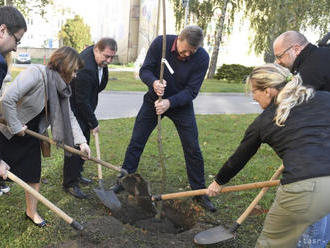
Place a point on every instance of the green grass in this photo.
(219, 136)
(121, 65)
(126, 81)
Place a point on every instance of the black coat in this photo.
(85, 90)
(313, 64)
(303, 143)
(3, 69)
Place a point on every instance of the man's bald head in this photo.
(288, 46)
(290, 38)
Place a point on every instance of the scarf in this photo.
(59, 93)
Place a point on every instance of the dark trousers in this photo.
(185, 123)
(73, 166)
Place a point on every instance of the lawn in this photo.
(126, 81)
(219, 135)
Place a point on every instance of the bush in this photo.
(234, 73)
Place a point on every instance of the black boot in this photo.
(84, 180)
(75, 191)
(205, 202)
(118, 187)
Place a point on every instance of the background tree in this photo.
(203, 12)
(75, 33)
(26, 6)
(270, 18)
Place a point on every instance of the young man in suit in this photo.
(12, 29)
(90, 81)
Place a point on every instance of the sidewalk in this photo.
(122, 104)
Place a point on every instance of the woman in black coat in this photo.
(296, 124)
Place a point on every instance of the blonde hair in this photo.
(291, 91)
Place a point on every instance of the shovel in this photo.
(223, 190)
(74, 151)
(45, 201)
(219, 233)
(108, 198)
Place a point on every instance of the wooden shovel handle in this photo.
(223, 190)
(98, 155)
(45, 201)
(259, 196)
(74, 151)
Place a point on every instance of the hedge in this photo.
(234, 73)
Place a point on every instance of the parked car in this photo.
(23, 58)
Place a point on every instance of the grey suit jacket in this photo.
(24, 99)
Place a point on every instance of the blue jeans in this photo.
(316, 235)
(185, 123)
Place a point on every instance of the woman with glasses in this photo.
(296, 124)
(39, 97)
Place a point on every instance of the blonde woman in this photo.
(296, 124)
(24, 106)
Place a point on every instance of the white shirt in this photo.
(100, 69)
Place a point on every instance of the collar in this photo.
(303, 55)
(175, 51)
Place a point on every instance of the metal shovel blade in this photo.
(213, 235)
(108, 198)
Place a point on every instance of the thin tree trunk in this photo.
(218, 38)
(9, 2)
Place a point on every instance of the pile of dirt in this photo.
(140, 223)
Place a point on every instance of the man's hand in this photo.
(85, 149)
(214, 189)
(95, 130)
(4, 168)
(22, 132)
(162, 106)
(158, 87)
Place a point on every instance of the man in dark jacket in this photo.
(184, 73)
(293, 51)
(12, 29)
(90, 81)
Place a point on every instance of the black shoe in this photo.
(118, 187)
(205, 202)
(41, 224)
(75, 191)
(84, 180)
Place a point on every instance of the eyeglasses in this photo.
(16, 40)
(109, 56)
(281, 55)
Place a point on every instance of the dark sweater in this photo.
(313, 64)
(183, 86)
(3, 69)
(303, 143)
(85, 89)
(3, 73)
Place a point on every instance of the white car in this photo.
(23, 58)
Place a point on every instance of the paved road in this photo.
(119, 104)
